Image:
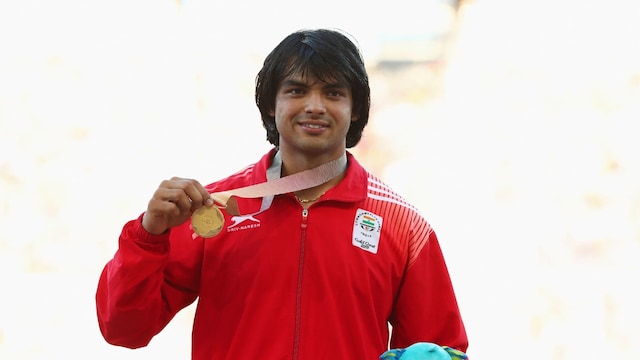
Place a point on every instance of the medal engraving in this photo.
(207, 221)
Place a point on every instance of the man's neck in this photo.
(296, 162)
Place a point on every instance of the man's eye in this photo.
(295, 91)
(336, 93)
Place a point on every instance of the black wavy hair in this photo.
(324, 54)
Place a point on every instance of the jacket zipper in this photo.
(296, 339)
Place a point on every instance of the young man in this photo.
(316, 273)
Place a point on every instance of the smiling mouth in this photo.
(313, 126)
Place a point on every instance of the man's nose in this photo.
(315, 103)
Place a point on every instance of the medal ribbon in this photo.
(280, 185)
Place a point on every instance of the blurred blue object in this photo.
(424, 351)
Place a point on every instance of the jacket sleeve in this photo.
(145, 284)
(426, 309)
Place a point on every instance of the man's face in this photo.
(313, 117)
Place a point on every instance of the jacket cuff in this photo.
(147, 240)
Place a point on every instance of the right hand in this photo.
(173, 203)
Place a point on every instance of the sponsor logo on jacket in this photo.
(243, 222)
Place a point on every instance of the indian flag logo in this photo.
(366, 231)
(367, 222)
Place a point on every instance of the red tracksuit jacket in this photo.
(288, 283)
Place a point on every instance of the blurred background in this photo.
(512, 125)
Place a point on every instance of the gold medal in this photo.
(207, 221)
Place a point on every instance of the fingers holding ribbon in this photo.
(173, 202)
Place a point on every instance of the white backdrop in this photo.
(523, 156)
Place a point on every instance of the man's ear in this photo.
(354, 118)
(272, 113)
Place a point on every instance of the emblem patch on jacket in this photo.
(366, 231)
